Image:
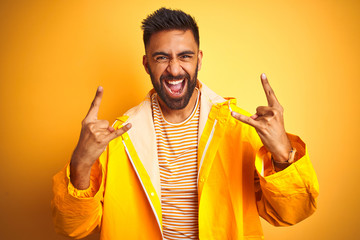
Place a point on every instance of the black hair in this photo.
(168, 19)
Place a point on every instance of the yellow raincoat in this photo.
(236, 181)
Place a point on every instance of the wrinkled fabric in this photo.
(236, 181)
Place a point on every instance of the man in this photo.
(185, 163)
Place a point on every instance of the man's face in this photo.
(172, 60)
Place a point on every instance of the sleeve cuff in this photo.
(263, 161)
(91, 191)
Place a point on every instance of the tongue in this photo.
(175, 88)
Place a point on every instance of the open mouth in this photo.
(175, 88)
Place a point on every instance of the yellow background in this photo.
(53, 55)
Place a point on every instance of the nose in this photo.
(174, 67)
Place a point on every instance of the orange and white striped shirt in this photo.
(177, 153)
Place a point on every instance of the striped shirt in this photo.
(177, 153)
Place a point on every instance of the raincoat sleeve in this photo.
(77, 213)
(289, 196)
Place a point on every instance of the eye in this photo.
(161, 58)
(186, 57)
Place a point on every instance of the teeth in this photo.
(175, 82)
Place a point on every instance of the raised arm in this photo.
(94, 137)
(288, 195)
(78, 188)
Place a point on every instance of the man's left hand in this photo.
(269, 124)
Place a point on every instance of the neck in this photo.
(180, 115)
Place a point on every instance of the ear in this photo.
(146, 64)
(200, 55)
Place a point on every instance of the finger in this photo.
(101, 133)
(95, 105)
(111, 129)
(118, 132)
(102, 123)
(245, 119)
(269, 92)
(255, 116)
(264, 110)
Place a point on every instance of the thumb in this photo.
(119, 132)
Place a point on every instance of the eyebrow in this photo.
(160, 53)
(185, 53)
(166, 54)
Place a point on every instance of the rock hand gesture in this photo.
(94, 137)
(269, 124)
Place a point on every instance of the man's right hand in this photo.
(94, 137)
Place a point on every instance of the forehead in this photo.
(172, 41)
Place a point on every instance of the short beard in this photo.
(175, 104)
